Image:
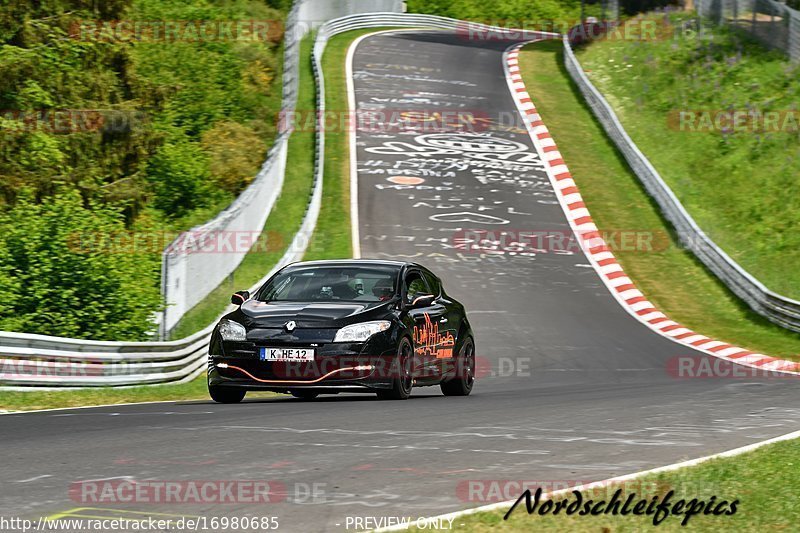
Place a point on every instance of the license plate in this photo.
(286, 354)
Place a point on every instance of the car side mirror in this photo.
(422, 300)
(240, 297)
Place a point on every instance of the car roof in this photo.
(352, 262)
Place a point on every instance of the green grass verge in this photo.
(31, 400)
(741, 186)
(332, 236)
(763, 481)
(671, 277)
(283, 221)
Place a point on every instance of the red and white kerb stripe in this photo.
(600, 255)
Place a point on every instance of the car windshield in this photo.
(350, 283)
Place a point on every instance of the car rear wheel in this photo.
(402, 370)
(304, 394)
(226, 394)
(461, 384)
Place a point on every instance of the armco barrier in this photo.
(29, 362)
(776, 308)
(38, 361)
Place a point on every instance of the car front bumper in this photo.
(365, 367)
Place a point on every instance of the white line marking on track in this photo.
(89, 407)
(351, 102)
(33, 478)
(667, 468)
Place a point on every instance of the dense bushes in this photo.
(63, 274)
(111, 133)
(500, 9)
(515, 12)
(525, 10)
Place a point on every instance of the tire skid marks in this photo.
(449, 440)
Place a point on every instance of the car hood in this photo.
(310, 314)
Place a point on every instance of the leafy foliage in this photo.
(515, 12)
(140, 129)
(234, 150)
(64, 273)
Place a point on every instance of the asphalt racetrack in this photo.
(572, 387)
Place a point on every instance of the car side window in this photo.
(415, 285)
(433, 283)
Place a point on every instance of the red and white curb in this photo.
(598, 252)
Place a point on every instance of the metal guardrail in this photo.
(29, 361)
(773, 23)
(776, 308)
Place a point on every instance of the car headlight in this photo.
(232, 331)
(361, 332)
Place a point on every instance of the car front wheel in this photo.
(461, 384)
(226, 394)
(402, 371)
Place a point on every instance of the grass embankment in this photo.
(741, 184)
(284, 219)
(763, 481)
(670, 277)
(27, 401)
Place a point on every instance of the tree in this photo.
(70, 270)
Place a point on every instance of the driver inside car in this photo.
(383, 289)
(416, 286)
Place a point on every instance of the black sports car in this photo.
(325, 327)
